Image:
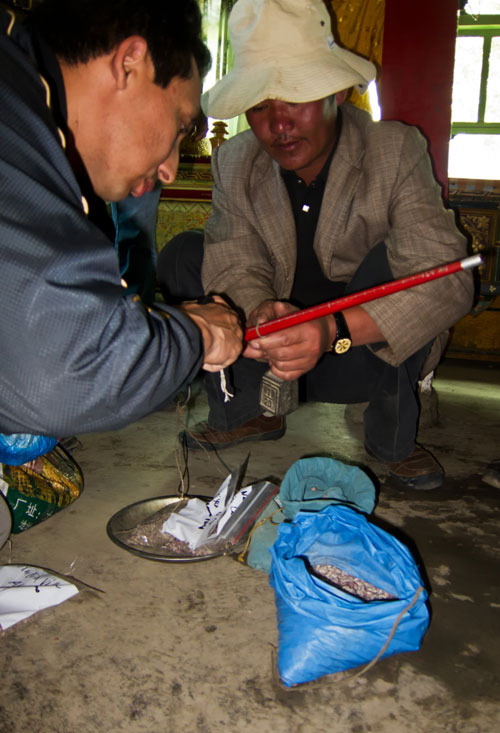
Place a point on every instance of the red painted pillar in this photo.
(417, 71)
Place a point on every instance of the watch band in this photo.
(343, 341)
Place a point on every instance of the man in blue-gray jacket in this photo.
(96, 98)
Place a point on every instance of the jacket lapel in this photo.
(343, 180)
(274, 212)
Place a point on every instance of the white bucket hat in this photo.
(283, 49)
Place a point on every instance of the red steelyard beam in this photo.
(364, 296)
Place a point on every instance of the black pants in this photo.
(391, 418)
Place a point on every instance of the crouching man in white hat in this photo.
(315, 201)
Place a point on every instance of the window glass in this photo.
(215, 31)
(474, 156)
(475, 151)
(374, 100)
(467, 78)
(492, 111)
(483, 7)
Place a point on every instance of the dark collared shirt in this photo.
(310, 285)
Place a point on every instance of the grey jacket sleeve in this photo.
(79, 355)
(421, 235)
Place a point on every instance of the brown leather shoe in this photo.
(202, 436)
(419, 471)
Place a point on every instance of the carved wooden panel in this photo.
(185, 204)
(482, 226)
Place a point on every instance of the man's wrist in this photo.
(332, 331)
(342, 340)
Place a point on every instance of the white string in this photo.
(223, 386)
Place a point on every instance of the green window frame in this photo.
(487, 27)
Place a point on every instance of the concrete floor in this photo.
(169, 648)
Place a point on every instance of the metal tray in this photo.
(130, 516)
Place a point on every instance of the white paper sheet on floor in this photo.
(25, 589)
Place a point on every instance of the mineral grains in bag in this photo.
(349, 584)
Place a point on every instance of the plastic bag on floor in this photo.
(20, 448)
(37, 490)
(374, 607)
(310, 484)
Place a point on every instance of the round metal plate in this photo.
(130, 516)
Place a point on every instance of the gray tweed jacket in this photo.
(380, 188)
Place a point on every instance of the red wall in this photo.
(417, 70)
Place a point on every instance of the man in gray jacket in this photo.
(96, 98)
(315, 201)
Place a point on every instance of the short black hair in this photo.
(80, 30)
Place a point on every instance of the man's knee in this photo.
(179, 267)
(436, 352)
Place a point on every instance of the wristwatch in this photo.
(343, 341)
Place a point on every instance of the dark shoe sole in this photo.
(187, 439)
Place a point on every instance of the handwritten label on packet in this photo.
(25, 589)
(197, 523)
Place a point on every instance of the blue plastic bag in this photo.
(322, 629)
(310, 484)
(20, 448)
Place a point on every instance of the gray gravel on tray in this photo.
(148, 535)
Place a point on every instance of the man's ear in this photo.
(340, 96)
(128, 57)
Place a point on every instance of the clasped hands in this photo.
(289, 353)
(292, 351)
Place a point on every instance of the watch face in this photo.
(342, 345)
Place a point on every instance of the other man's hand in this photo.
(293, 351)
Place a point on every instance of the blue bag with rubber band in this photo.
(325, 628)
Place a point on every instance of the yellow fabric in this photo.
(54, 478)
(358, 26)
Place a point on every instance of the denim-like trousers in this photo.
(391, 418)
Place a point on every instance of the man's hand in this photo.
(293, 351)
(221, 331)
(264, 312)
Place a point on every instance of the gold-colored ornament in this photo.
(342, 345)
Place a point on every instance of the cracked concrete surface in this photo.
(170, 648)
